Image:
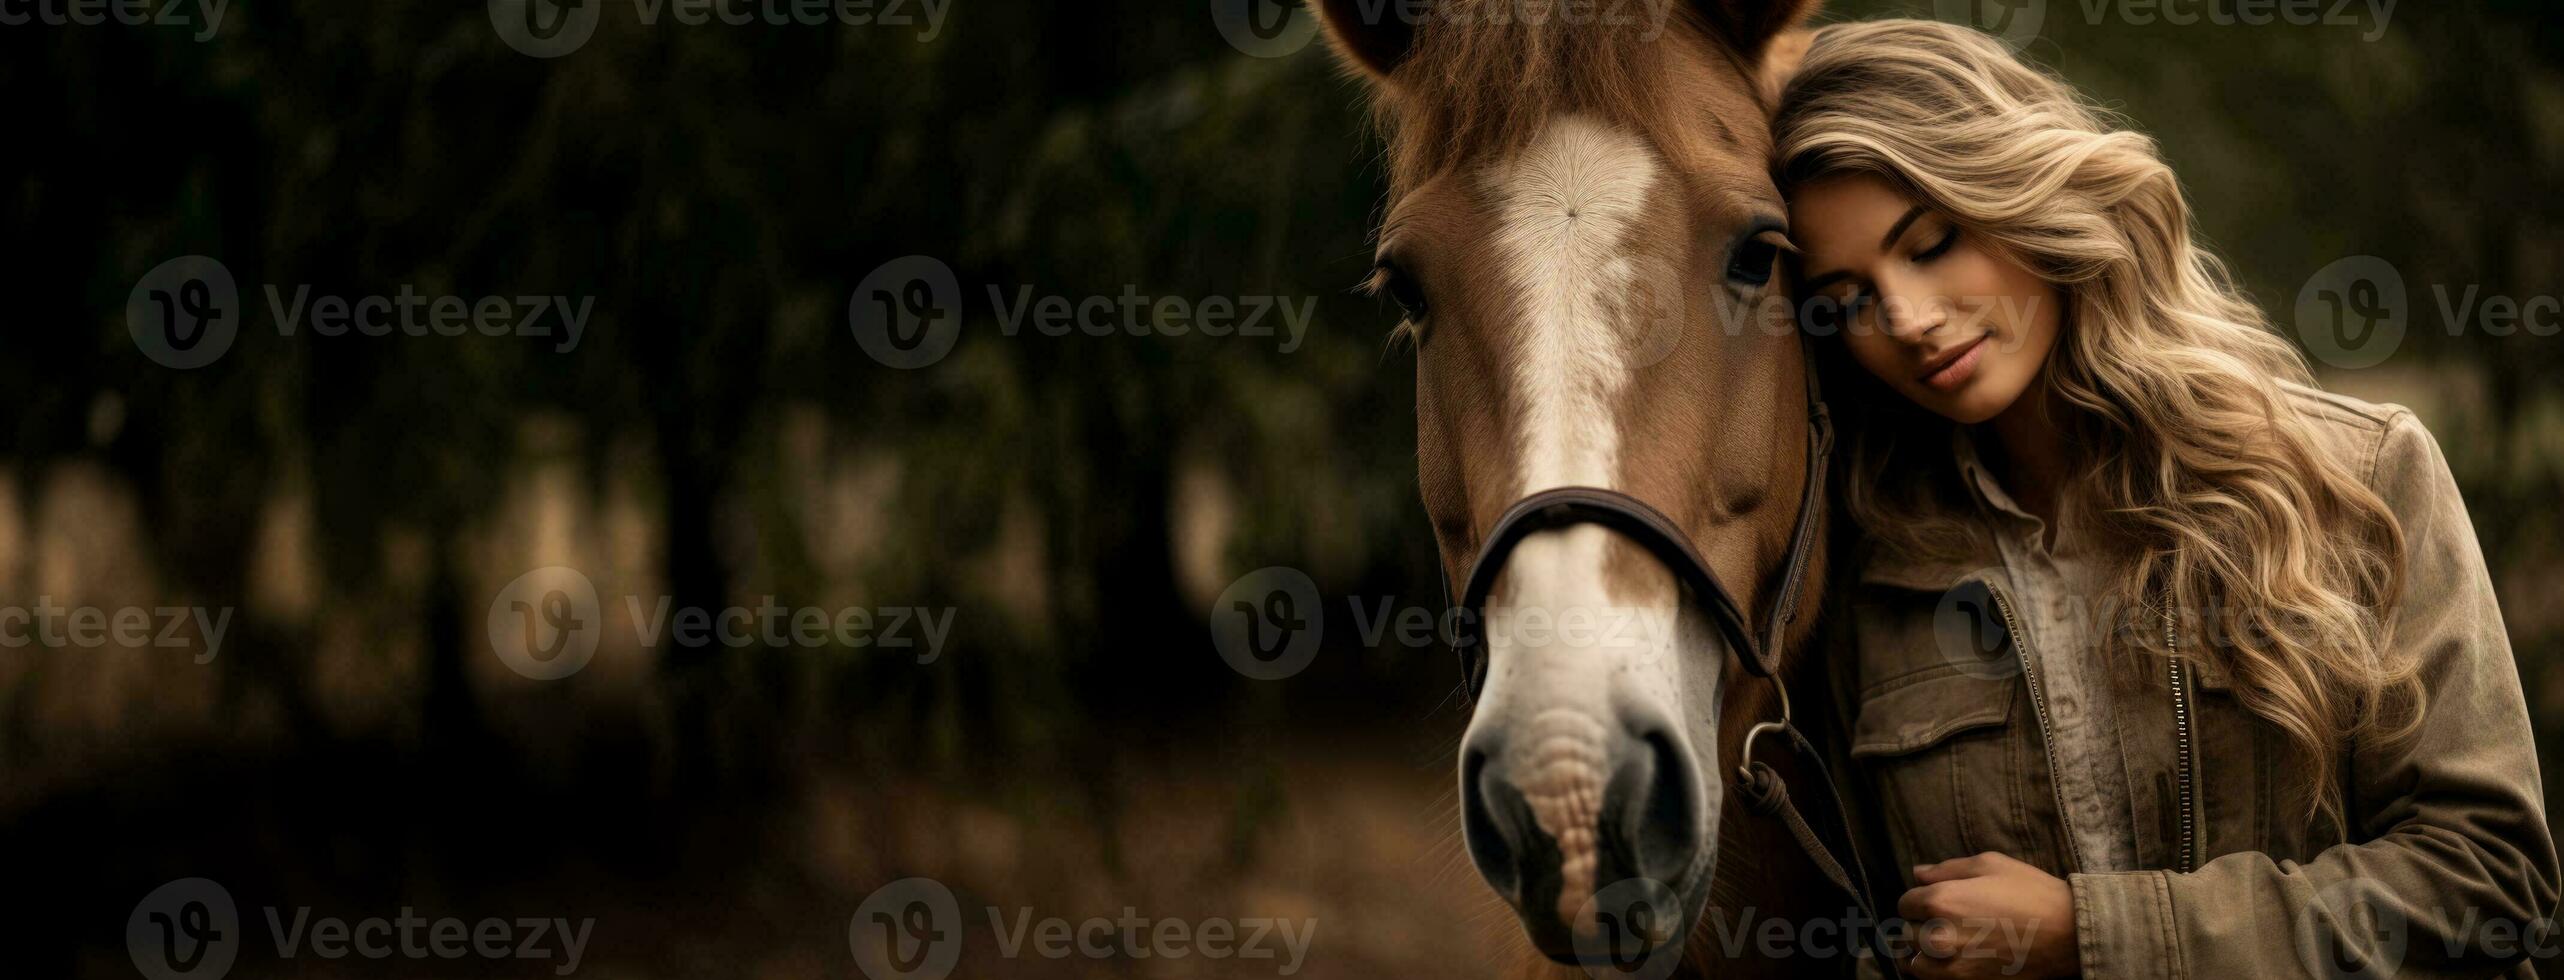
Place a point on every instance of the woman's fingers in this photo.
(1971, 866)
(1916, 904)
(1938, 940)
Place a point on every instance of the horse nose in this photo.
(1656, 792)
(1557, 811)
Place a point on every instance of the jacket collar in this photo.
(1875, 565)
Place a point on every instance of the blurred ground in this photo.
(1355, 836)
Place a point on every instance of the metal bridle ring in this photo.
(1745, 759)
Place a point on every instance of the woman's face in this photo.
(1955, 326)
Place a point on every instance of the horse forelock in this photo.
(1486, 77)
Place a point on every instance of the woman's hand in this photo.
(1989, 916)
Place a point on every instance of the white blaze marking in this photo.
(1567, 207)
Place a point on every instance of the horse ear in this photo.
(1370, 35)
(1751, 25)
(1781, 59)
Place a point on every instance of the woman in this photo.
(2164, 662)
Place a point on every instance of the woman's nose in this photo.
(1909, 313)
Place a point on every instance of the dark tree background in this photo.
(1077, 502)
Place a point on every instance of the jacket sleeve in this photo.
(2455, 871)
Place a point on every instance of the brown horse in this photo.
(1583, 231)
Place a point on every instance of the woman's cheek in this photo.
(1875, 353)
(1981, 293)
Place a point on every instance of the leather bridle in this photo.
(1562, 507)
(1759, 650)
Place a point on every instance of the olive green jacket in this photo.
(2448, 867)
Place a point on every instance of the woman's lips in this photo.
(1952, 372)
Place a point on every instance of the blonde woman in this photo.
(2162, 662)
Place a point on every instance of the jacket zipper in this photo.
(2186, 858)
(2039, 706)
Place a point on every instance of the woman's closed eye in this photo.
(1949, 237)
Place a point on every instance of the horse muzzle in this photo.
(1595, 826)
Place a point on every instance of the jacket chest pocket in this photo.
(1944, 758)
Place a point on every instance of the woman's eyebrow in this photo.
(1897, 230)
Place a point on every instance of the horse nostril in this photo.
(1653, 805)
(1484, 800)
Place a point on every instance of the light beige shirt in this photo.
(2058, 600)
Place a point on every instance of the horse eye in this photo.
(1404, 290)
(1751, 264)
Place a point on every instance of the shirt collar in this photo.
(1987, 490)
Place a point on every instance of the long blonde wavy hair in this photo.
(2192, 464)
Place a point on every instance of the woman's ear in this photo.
(1371, 36)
